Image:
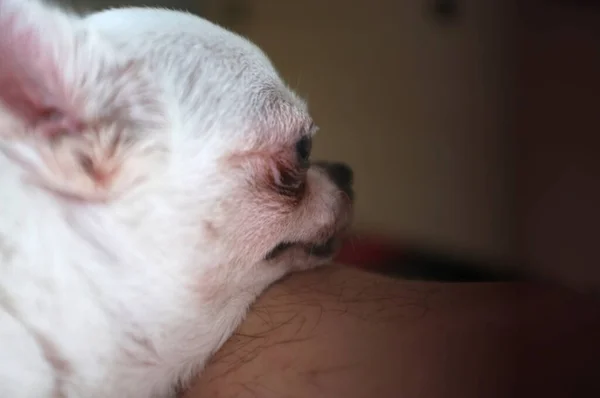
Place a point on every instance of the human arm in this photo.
(340, 332)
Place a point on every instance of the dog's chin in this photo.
(298, 256)
(321, 253)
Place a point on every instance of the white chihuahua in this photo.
(154, 179)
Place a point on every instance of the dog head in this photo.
(185, 116)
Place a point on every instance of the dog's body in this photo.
(148, 168)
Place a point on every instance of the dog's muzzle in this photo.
(341, 174)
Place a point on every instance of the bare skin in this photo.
(343, 333)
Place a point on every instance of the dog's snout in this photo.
(341, 174)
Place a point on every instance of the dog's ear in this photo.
(42, 66)
(88, 108)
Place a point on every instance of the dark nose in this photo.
(341, 174)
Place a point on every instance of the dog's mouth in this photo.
(323, 250)
(320, 250)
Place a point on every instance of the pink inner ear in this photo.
(30, 83)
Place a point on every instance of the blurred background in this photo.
(472, 125)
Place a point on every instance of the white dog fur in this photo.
(149, 164)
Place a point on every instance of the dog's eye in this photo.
(303, 148)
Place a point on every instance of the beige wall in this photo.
(418, 108)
